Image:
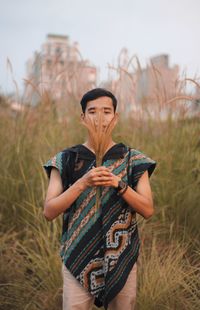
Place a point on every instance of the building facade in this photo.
(149, 88)
(59, 71)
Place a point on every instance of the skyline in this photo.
(102, 30)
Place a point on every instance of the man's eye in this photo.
(107, 112)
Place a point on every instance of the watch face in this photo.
(121, 185)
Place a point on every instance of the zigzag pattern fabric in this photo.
(100, 247)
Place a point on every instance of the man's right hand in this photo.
(100, 176)
(57, 201)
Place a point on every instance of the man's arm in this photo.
(57, 201)
(140, 199)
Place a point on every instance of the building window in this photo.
(58, 50)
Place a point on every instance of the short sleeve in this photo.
(56, 162)
(141, 163)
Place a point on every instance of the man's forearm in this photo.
(58, 205)
(139, 203)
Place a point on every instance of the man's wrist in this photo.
(123, 190)
(81, 185)
(117, 179)
(122, 187)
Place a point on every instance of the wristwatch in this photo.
(122, 187)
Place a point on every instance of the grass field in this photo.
(169, 263)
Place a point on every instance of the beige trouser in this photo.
(75, 297)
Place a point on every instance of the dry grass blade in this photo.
(9, 66)
(193, 81)
(92, 132)
(106, 135)
(100, 139)
(178, 98)
(99, 129)
(29, 82)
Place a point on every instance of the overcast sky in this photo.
(102, 29)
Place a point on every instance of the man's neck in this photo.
(88, 144)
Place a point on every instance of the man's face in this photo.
(101, 105)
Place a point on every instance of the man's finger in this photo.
(102, 173)
(101, 168)
(102, 179)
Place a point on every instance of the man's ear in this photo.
(117, 117)
(116, 113)
(82, 116)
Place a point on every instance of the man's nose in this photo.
(99, 119)
(97, 122)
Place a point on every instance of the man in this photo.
(99, 248)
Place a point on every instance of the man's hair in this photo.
(96, 93)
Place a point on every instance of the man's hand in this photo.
(100, 176)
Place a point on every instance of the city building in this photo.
(58, 71)
(158, 81)
(149, 88)
(122, 83)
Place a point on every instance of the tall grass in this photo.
(30, 269)
(167, 279)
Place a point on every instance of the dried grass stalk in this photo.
(100, 140)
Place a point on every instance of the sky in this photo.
(102, 29)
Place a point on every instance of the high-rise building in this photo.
(149, 88)
(158, 81)
(58, 70)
